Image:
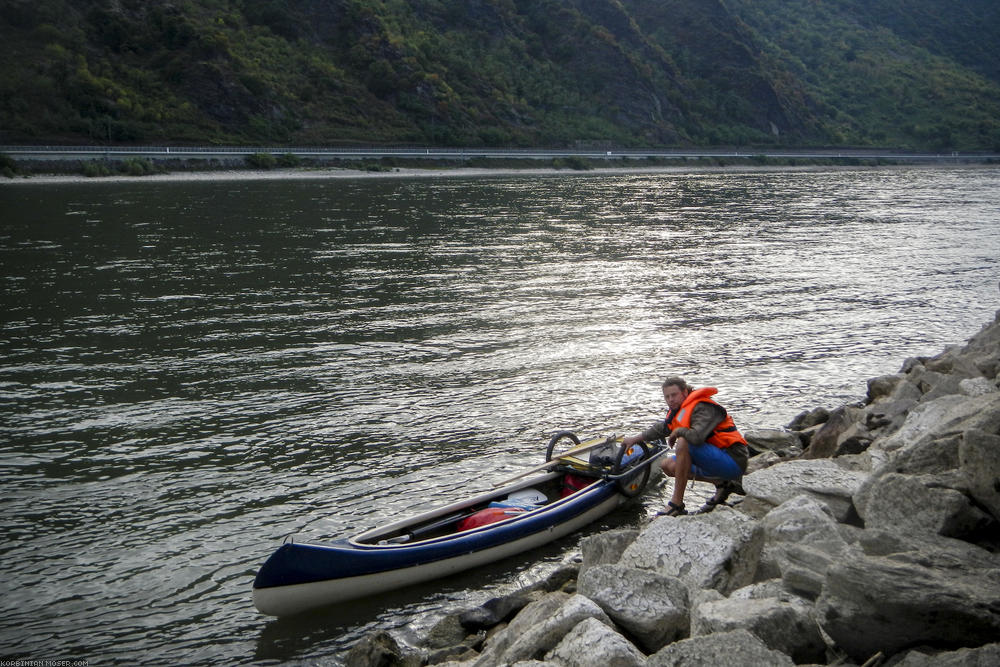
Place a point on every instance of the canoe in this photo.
(572, 492)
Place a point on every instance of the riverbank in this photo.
(376, 171)
(869, 535)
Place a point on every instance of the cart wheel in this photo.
(554, 443)
(632, 485)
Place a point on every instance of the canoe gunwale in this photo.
(366, 539)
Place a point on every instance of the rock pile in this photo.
(869, 535)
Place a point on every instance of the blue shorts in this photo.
(711, 462)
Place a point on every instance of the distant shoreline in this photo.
(319, 173)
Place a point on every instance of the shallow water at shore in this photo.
(194, 369)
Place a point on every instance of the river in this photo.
(191, 371)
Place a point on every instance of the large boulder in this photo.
(984, 656)
(783, 625)
(823, 443)
(593, 644)
(871, 604)
(651, 607)
(539, 628)
(717, 550)
(979, 356)
(977, 386)
(801, 539)
(823, 480)
(720, 648)
(774, 440)
(606, 547)
(941, 553)
(979, 462)
(944, 416)
(917, 504)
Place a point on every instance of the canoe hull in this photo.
(299, 577)
(297, 598)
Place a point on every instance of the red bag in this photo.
(573, 483)
(488, 516)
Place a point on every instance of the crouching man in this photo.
(708, 448)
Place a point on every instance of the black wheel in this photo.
(569, 440)
(633, 484)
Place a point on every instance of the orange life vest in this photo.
(724, 435)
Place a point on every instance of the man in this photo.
(708, 448)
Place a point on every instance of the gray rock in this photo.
(979, 461)
(872, 604)
(983, 351)
(885, 417)
(606, 547)
(720, 648)
(380, 649)
(984, 656)
(882, 387)
(773, 440)
(978, 386)
(948, 415)
(717, 550)
(653, 608)
(560, 579)
(784, 626)
(769, 588)
(465, 651)
(855, 439)
(915, 504)
(942, 554)
(539, 628)
(958, 361)
(926, 457)
(823, 480)
(809, 419)
(593, 644)
(804, 570)
(801, 539)
(933, 384)
(446, 633)
(761, 461)
(498, 610)
(824, 442)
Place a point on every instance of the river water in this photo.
(193, 370)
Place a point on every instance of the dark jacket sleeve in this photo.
(656, 431)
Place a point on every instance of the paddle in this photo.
(556, 459)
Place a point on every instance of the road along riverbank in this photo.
(870, 534)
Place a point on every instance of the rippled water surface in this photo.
(192, 371)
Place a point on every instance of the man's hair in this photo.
(676, 382)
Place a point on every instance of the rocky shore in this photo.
(869, 535)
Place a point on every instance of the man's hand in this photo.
(631, 440)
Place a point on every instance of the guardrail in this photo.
(230, 152)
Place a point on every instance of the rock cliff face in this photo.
(869, 535)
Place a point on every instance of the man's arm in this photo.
(654, 432)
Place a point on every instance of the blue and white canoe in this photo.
(535, 511)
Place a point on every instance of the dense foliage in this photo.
(921, 74)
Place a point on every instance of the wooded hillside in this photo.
(910, 74)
